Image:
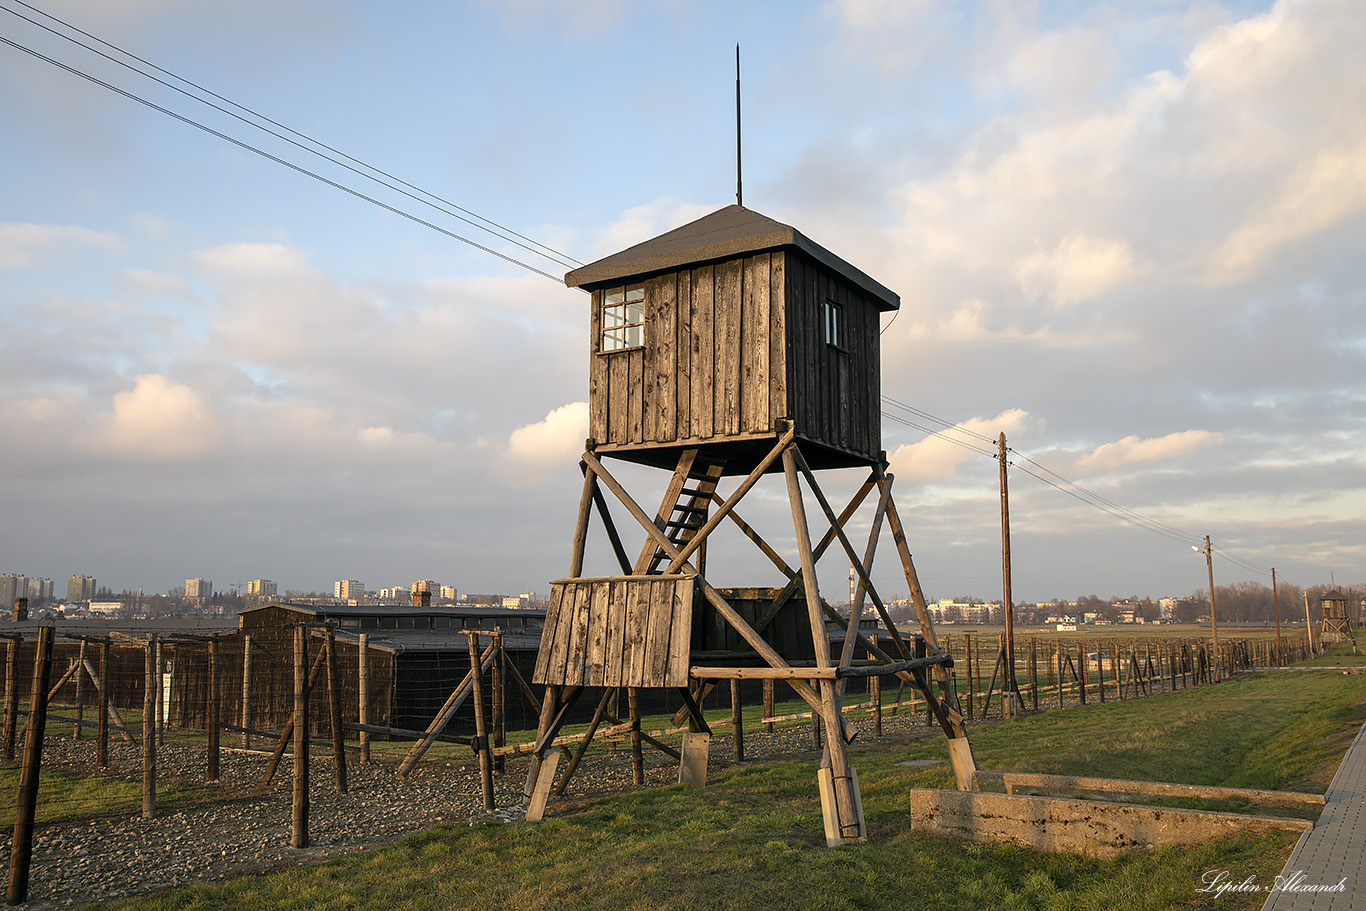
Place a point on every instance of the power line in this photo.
(445, 206)
(1062, 484)
(957, 426)
(278, 160)
(937, 433)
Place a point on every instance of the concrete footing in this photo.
(1089, 827)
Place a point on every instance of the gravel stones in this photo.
(237, 830)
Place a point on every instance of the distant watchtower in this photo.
(732, 346)
(1337, 617)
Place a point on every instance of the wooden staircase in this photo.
(685, 506)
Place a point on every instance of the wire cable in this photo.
(1064, 485)
(442, 205)
(275, 158)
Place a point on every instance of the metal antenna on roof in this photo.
(739, 187)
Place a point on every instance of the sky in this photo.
(1127, 235)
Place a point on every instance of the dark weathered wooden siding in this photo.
(712, 366)
(731, 348)
(834, 395)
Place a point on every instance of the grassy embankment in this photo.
(753, 838)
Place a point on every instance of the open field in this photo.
(753, 838)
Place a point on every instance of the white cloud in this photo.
(1079, 268)
(247, 261)
(1132, 450)
(553, 442)
(158, 421)
(1325, 191)
(29, 246)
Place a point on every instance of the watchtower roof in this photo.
(725, 233)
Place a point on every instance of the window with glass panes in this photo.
(623, 318)
(833, 317)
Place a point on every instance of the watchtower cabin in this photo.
(1337, 617)
(713, 335)
(733, 346)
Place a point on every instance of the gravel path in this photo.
(94, 860)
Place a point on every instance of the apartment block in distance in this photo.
(40, 589)
(80, 588)
(349, 590)
(263, 589)
(12, 585)
(198, 589)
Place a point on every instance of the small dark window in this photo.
(833, 317)
(623, 318)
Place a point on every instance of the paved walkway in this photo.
(1334, 850)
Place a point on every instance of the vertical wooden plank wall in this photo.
(725, 358)
(834, 395)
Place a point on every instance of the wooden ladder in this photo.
(689, 510)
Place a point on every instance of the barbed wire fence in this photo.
(116, 727)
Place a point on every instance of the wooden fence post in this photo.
(246, 691)
(363, 697)
(21, 842)
(159, 710)
(80, 693)
(500, 699)
(1085, 670)
(11, 695)
(214, 699)
(149, 731)
(481, 734)
(737, 718)
(334, 713)
(768, 705)
(102, 745)
(299, 817)
(972, 676)
(637, 754)
(875, 696)
(1034, 673)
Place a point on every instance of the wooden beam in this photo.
(754, 536)
(611, 528)
(581, 524)
(856, 609)
(713, 597)
(667, 504)
(762, 673)
(854, 559)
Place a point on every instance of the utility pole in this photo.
(1011, 688)
(1213, 622)
(1309, 626)
(1276, 604)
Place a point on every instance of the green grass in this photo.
(62, 796)
(753, 838)
(1340, 655)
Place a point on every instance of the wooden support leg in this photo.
(845, 824)
(546, 758)
(637, 753)
(573, 766)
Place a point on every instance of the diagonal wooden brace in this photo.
(714, 598)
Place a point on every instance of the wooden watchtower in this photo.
(733, 346)
(1337, 617)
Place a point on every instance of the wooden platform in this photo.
(618, 631)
